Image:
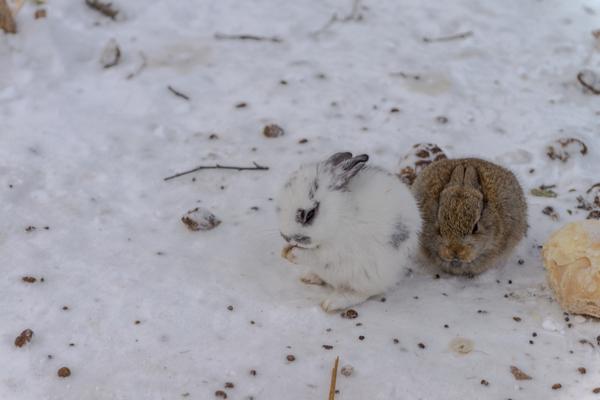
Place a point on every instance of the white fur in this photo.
(351, 247)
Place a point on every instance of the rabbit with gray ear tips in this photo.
(353, 225)
(474, 214)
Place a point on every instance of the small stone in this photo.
(347, 370)
(230, 308)
(64, 372)
(273, 131)
(111, 54)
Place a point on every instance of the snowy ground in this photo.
(84, 150)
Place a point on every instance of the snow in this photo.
(84, 151)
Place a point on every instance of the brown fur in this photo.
(457, 196)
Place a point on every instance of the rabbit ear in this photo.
(457, 176)
(337, 158)
(345, 170)
(471, 178)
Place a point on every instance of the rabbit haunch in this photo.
(353, 225)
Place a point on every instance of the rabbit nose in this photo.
(455, 263)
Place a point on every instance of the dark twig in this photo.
(103, 8)
(256, 167)
(274, 39)
(448, 38)
(354, 15)
(178, 93)
(588, 86)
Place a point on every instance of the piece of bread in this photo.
(572, 259)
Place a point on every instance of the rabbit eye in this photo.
(476, 228)
(305, 217)
(310, 215)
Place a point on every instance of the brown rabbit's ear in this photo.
(345, 170)
(471, 178)
(457, 176)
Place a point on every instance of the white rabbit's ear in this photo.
(337, 158)
(344, 167)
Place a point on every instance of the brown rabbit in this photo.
(474, 213)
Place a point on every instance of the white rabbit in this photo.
(353, 225)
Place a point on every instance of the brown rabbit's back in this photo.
(502, 195)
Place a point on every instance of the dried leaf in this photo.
(518, 374)
(543, 193)
(200, 219)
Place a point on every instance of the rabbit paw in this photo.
(312, 279)
(290, 253)
(340, 300)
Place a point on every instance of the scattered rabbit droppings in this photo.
(596, 390)
(421, 345)
(349, 314)
(230, 308)
(396, 341)
(556, 386)
(221, 394)
(581, 370)
(64, 372)
(290, 358)
(229, 385)
(327, 346)
(484, 382)
(253, 372)
(24, 338)
(29, 279)
(361, 337)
